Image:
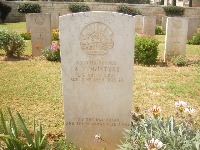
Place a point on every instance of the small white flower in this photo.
(189, 110)
(154, 144)
(181, 104)
(97, 137)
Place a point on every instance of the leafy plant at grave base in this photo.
(26, 35)
(146, 50)
(52, 53)
(180, 61)
(174, 10)
(61, 144)
(195, 40)
(159, 31)
(74, 8)
(127, 10)
(17, 137)
(11, 42)
(55, 34)
(29, 8)
(154, 132)
(5, 10)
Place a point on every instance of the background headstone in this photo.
(138, 23)
(176, 37)
(97, 75)
(54, 20)
(149, 25)
(193, 24)
(41, 34)
(164, 21)
(27, 17)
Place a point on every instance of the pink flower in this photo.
(54, 47)
(155, 110)
(142, 35)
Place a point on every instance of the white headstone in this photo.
(164, 21)
(97, 76)
(193, 24)
(27, 17)
(149, 25)
(176, 37)
(138, 23)
(54, 21)
(41, 34)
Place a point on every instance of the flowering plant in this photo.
(153, 132)
(52, 53)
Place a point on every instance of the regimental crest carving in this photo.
(177, 23)
(96, 39)
(39, 20)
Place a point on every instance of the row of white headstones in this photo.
(178, 30)
(97, 59)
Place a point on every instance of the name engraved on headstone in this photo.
(96, 39)
(96, 71)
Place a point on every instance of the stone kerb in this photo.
(176, 37)
(97, 76)
(149, 25)
(41, 35)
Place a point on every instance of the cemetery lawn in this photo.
(33, 86)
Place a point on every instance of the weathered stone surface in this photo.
(193, 24)
(27, 17)
(54, 20)
(41, 35)
(176, 37)
(138, 23)
(164, 21)
(97, 76)
(149, 25)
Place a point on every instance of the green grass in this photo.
(19, 27)
(33, 87)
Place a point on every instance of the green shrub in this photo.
(52, 53)
(17, 137)
(55, 34)
(11, 42)
(26, 35)
(146, 50)
(159, 31)
(5, 10)
(195, 40)
(74, 8)
(174, 10)
(127, 10)
(153, 132)
(180, 61)
(29, 8)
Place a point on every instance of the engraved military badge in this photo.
(39, 20)
(96, 39)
